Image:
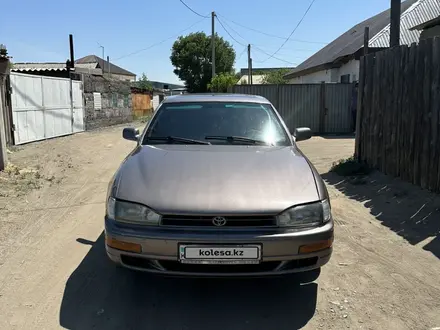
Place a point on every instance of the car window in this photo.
(200, 120)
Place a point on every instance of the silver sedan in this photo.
(216, 186)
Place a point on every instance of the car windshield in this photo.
(233, 123)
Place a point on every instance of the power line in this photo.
(241, 54)
(158, 43)
(272, 35)
(235, 31)
(193, 10)
(224, 28)
(296, 27)
(277, 58)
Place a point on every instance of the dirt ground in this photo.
(384, 274)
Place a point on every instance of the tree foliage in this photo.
(192, 58)
(275, 77)
(221, 82)
(3, 50)
(144, 83)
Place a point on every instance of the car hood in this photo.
(213, 179)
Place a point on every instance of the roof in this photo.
(349, 42)
(53, 67)
(29, 66)
(427, 25)
(101, 64)
(418, 13)
(160, 84)
(213, 97)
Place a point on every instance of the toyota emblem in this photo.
(219, 221)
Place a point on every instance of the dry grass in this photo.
(16, 181)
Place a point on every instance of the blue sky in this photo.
(36, 31)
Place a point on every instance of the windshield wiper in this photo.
(171, 139)
(235, 139)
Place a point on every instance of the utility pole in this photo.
(395, 23)
(213, 42)
(108, 65)
(249, 65)
(366, 40)
(69, 72)
(103, 58)
(72, 53)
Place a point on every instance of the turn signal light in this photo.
(322, 245)
(124, 246)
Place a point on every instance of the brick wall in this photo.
(116, 103)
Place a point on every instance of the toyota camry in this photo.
(216, 185)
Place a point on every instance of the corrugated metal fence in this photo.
(324, 108)
(42, 107)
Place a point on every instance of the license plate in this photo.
(229, 254)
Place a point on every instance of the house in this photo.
(257, 74)
(108, 68)
(429, 29)
(106, 99)
(339, 60)
(164, 85)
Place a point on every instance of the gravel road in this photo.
(385, 272)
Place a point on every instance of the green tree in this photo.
(144, 83)
(275, 77)
(221, 82)
(3, 50)
(192, 58)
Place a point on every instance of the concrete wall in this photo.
(120, 77)
(330, 75)
(116, 102)
(430, 33)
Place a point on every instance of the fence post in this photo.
(362, 72)
(322, 109)
(3, 153)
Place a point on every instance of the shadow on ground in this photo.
(408, 210)
(99, 295)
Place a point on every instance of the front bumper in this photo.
(159, 249)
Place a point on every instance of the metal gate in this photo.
(42, 107)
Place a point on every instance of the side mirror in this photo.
(130, 133)
(302, 133)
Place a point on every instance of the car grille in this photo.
(207, 221)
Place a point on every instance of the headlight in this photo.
(131, 213)
(305, 215)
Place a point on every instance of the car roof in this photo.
(213, 97)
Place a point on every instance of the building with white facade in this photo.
(338, 62)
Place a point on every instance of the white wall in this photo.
(256, 79)
(331, 75)
(315, 77)
(351, 68)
